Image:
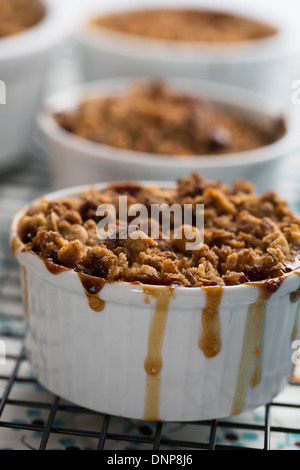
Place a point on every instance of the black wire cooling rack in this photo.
(33, 418)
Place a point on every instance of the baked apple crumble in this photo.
(18, 15)
(247, 237)
(155, 118)
(186, 25)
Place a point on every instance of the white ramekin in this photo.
(263, 65)
(97, 359)
(24, 58)
(77, 161)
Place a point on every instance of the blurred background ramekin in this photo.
(25, 59)
(75, 160)
(263, 65)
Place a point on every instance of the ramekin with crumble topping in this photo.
(238, 44)
(139, 128)
(30, 30)
(145, 328)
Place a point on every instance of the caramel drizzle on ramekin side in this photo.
(25, 286)
(15, 244)
(258, 329)
(92, 286)
(153, 362)
(294, 298)
(54, 268)
(250, 368)
(295, 327)
(210, 334)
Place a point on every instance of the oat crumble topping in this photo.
(186, 25)
(247, 237)
(18, 15)
(155, 118)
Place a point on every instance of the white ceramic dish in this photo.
(101, 360)
(24, 59)
(78, 161)
(263, 65)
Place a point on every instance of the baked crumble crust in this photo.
(155, 118)
(247, 237)
(18, 15)
(186, 25)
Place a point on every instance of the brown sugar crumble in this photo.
(19, 15)
(247, 237)
(186, 25)
(155, 118)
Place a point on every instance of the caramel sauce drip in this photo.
(54, 268)
(153, 362)
(210, 335)
(26, 300)
(129, 187)
(92, 286)
(252, 353)
(258, 330)
(295, 379)
(295, 327)
(15, 244)
(294, 298)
